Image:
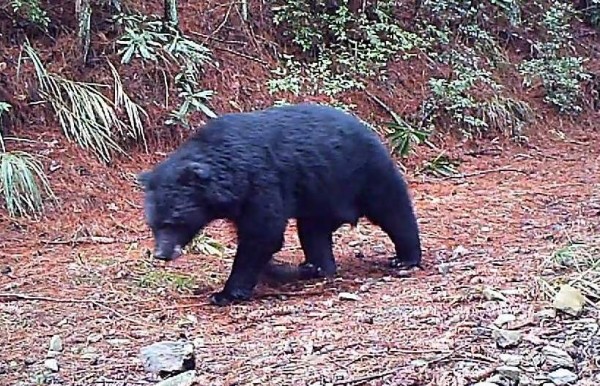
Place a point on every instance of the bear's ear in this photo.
(143, 179)
(198, 171)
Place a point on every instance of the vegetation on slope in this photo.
(109, 73)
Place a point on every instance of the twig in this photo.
(257, 60)
(16, 296)
(101, 304)
(89, 240)
(483, 172)
(367, 378)
(220, 26)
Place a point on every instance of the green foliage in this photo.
(561, 75)
(23, 183)
(205, 245)
(149, 39)
(342, 46)
(4, 109)
(157, 279)
(440, 166)
(32, 11)
(461, 35)
(85, 115)
(592, 13)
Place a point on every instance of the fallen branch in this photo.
(8, 296)
(90, 240)
(484, 172)
(367, 378)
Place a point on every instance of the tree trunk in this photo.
(83, 10)
(171, 18)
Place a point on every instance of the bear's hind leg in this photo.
(317, 244)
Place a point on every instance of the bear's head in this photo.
(173, 205)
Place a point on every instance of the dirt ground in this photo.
(491, 229)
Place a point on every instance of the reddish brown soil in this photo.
(515, 206)
(508, 222)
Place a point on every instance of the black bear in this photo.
(310, 162)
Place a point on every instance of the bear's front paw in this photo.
(224, 298)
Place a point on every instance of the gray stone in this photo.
(168, 358)
(56, 343)
(511, 360)
(569, 300)
(503, 319)
(51, 364)
(348, 296)
(510, 372)
(506, 338)
(184, 379)
(444, 268)
(94, 338)
(556, 357)
(562, 377)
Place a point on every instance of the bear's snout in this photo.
(167, 254)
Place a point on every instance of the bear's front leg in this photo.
(248, 263)
(260, 235)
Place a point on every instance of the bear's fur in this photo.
(314, 163)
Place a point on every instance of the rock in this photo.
(562, 377)
(348, 296)
(503, 319)
(510, 372)
(459, 251)
(548, 313)
(569, 300)
(168, 358)
(419, 362)
(556, 357)
(187, 378)
(511, 359)
(56, 343)
(524, 380)
(444, 268)
(51, 364)
(94, 338)
(506, 338)
(90, 354)
(118, 341)
(491, 294)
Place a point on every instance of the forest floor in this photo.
(489, 239)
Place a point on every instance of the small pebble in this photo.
(51, 364)
(348, 296)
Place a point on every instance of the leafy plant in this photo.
(148, 38)
(206, 245)
(342, 45)
(85, 115)
(32, 11)
(561, 75)
(23, 183)
(440, 166)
